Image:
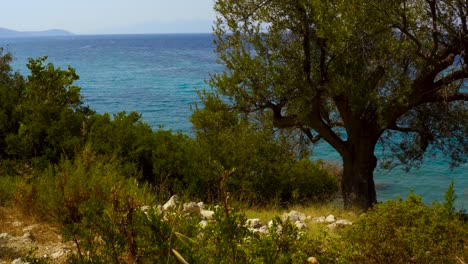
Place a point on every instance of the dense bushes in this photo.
(255, 165)
(406, 231)
(102, 213)
(43, 120)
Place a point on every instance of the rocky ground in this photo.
(24, 239)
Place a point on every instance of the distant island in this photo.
(9, 33)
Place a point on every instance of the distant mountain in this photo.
(8, 33)
(187, 26)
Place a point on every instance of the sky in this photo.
(108, 16)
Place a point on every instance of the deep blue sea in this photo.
(157, 75)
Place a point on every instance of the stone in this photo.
(293, 216)
(203, 224)
(19, 261)
(312, 260)
(27, 237)
(30, 228)
(301, 226)
(171, 204)
(320, 219)
(57, 255)
(201, 205)
(253, 223)
(330, 219)
(343, 223)
(263, 229)
(279, 228)
(192, 209)
(4, 235)
(145, 208)
(332, 226)
(206, 214)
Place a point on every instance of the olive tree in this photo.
(353, 73)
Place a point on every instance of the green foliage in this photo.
(50, 115)
(405, 231)
(11, 89)
(450, 198)
(93, 204)
(263, 168)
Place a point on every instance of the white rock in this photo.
(4, 235)
(253, 223)
(263, 229)
(330, 219)
(293, 216)
(343, 222)
(332, 226)
(30, 228)
(192, 209)
(19, 261)
(171, 204)
(279, 228)
(201, 205)
(203, 224)
(300, 225)
(312, 260)
(320, 219)
(57, 255)
(27, 237)
(206, 214)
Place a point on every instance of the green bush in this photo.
(405, 231)
(93, 204)
(264, 168)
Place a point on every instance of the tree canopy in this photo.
(353, 73)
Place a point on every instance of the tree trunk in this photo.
(357, 185)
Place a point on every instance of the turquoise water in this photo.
(157, 75)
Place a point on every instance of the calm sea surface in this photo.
(157, 75)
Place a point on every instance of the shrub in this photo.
(93, 204)
(405, 231)
(264, 167)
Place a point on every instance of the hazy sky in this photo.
(107, 16)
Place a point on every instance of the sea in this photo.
(159, 75)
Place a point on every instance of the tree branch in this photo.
(450, 78)
(308, 133)
(435, 31)
(447, 98)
